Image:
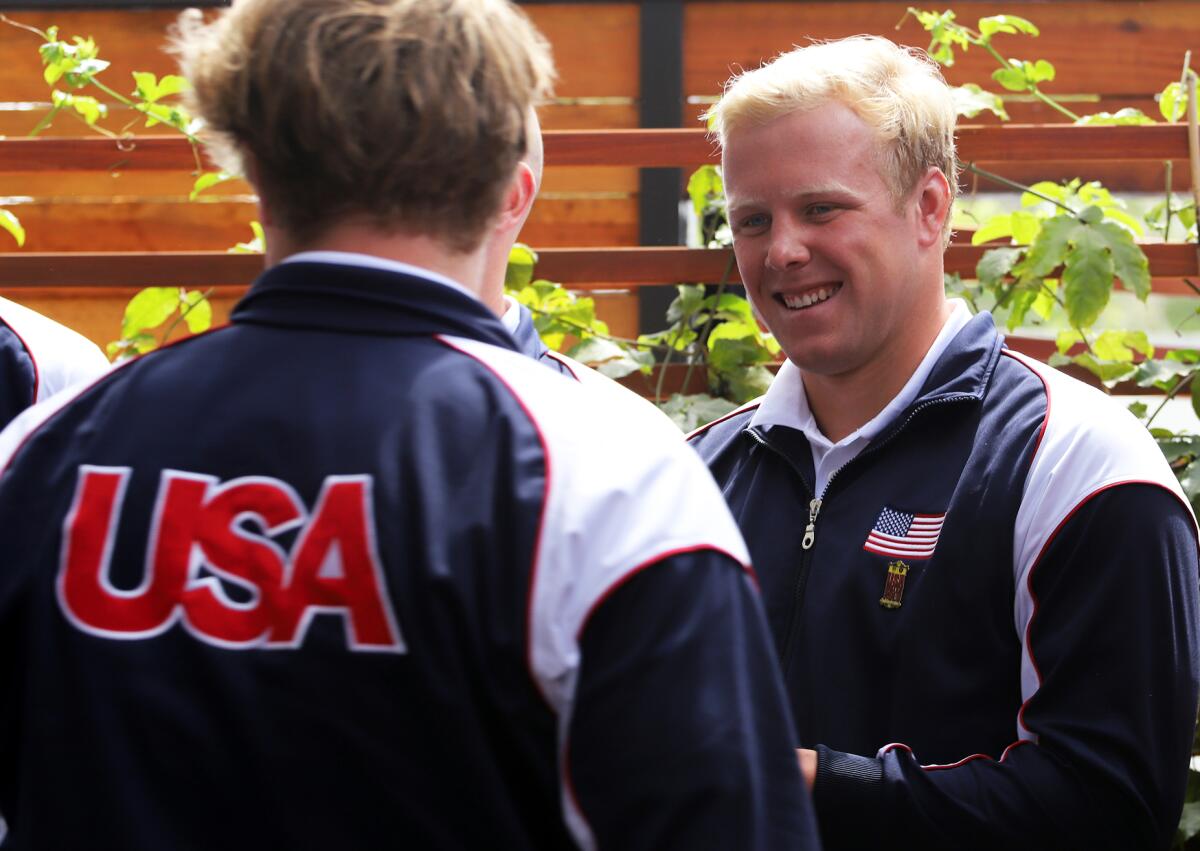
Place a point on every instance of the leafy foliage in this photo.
(161, 308)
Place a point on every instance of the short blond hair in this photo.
(899, 92)
(406, 114)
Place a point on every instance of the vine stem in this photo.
(1012, 184)
(183, 315)
(1171, 394)
(1032, 88)
(703, 338)
(1082, 334)
(45, 36)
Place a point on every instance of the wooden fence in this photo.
(105, 219)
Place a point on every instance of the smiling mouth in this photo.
(808, 299)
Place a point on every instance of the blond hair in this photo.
(899, 93)
(406, 114)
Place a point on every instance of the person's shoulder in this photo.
(1088, 443)
(62, 357)
(614, 392)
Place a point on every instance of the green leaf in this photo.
(1011, 24)
(1120, 216)
(1091, 215)
(1160, 373)
(1025, 227)
(1121, 118)
(994, 228)
(146, 85)
(732, 355)
(703, 186)
(689, 300)
(1043, 187)
(199, 311)
(1087, 278)
(730, 306)
(1107, 371)
(970, 100)
(1121, 345)
(1066, 339)
(1171, 102)
(210, 179)
(1139, 409)
(1049, 250)
(519, 272)
(257, 245)
(149, 309)
(1019, 305)
(1128, 260)
(692, 411)
(1039, 72)
(1045, 302)
(1012, 78)
(12, 224)
(1196, 396)
(996, 263)
(749, 383)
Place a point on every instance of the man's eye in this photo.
(752, 222)
(819, 211)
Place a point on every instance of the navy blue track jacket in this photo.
(39, 358)
(353, 573)
(992, 640)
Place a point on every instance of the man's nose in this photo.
(788, 248)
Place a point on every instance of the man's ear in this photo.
(518, 199)
(932, 196)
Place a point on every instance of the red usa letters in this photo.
(228, 529)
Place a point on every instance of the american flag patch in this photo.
(899, 534)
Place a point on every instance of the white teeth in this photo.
(800, 302)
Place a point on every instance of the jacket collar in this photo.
(961, 372)
(365, 300)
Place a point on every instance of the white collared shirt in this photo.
(786, 403)
(370, 261)
(512, 314)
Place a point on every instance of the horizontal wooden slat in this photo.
(1113, 47)
(669, 147)
(580, 267)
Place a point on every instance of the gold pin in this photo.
(893, 587)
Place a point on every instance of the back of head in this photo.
(899, 92)
(402, 114)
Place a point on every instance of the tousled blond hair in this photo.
(899, 93)
(407, 114)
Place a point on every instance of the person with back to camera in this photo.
(351, 572)
(980, 575)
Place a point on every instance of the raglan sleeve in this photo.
(649, 642)
(1109, 688)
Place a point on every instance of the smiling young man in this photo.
(981, 576)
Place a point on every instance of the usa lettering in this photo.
(227, 531)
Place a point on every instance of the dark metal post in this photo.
(661, 87)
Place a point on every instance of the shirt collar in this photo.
(370, 261)
(786, 403)
(512, 315)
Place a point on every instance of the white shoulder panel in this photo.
(1089, 443)
(61, 356)
(623, 491)
(608, 389)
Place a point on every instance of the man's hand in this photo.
(808, 765)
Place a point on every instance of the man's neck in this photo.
(843, 403)
(416, 250)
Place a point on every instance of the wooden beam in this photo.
(582, 268)
(648, 148)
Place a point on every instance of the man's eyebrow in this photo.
(733, 201)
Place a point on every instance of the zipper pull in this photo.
(810, 531)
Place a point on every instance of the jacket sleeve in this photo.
(680, 735)
(1113, 640)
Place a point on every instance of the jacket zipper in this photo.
(810, 531)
